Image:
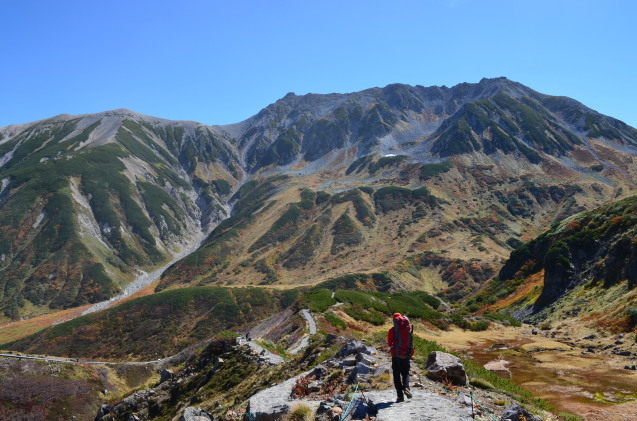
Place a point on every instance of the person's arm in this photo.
(390, 338)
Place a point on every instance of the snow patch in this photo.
(7, 156)
(39, 220)
(88, 226)
(5, 184)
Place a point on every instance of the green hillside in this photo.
(155, 326)
(587, 264)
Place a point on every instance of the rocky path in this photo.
(266, 355)
(312, 330)
(424, 406)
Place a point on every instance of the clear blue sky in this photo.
(220, 62)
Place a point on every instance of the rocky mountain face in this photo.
(585, 265)
(87, 200)
(435, 185)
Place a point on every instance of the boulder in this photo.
(165, 375)
(318, 372)
(349, 362)
(350, 348)
(441, 365)
(363, 369)
(365, 359)
(314, 387)
(367, 350)
(198, 414)
(104, 410)
(517, 413)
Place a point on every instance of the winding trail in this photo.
(306, 338)
(61, 360)
(268, 356)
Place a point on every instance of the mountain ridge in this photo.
(127, 190)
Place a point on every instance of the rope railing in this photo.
(350, 403)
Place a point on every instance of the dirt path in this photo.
(311, 323)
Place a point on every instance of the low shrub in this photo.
(318, 300)
(335, 321)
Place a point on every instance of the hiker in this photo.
(400, 341)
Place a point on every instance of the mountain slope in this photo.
(87, 200)
(423, 182)
(584, 266)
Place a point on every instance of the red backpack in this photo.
(403, 337)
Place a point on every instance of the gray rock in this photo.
(464, 400)
(365, 359)
(367, 350)
(352, 377)
(318, 372)
(165, 375)
(133, 417)
(104, 410)
(441, 365)
(363, 369)
(517, 413)
(350, 348)
(349, 362)
(380, 370)
(534, 331)
(273, 403)
(313, 387)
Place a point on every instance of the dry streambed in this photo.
(560, 369)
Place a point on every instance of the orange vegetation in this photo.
(523, 291)
(18, 330)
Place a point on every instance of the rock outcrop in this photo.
(517, 413)
(442, 366)
(198, 414)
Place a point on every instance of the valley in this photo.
(556, 368)
(128, 238)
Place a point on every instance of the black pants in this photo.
(400, 369)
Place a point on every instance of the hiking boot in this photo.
(400, 399)
(407, 392)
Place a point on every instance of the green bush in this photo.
(428, 171)
(346, 234)
(499, 317)
(335, 321)
(631, 312)
(479, 326)
(366, 315)
(353, 297)
(318, 300)
(481, 383)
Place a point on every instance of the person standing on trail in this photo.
(400, 342)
